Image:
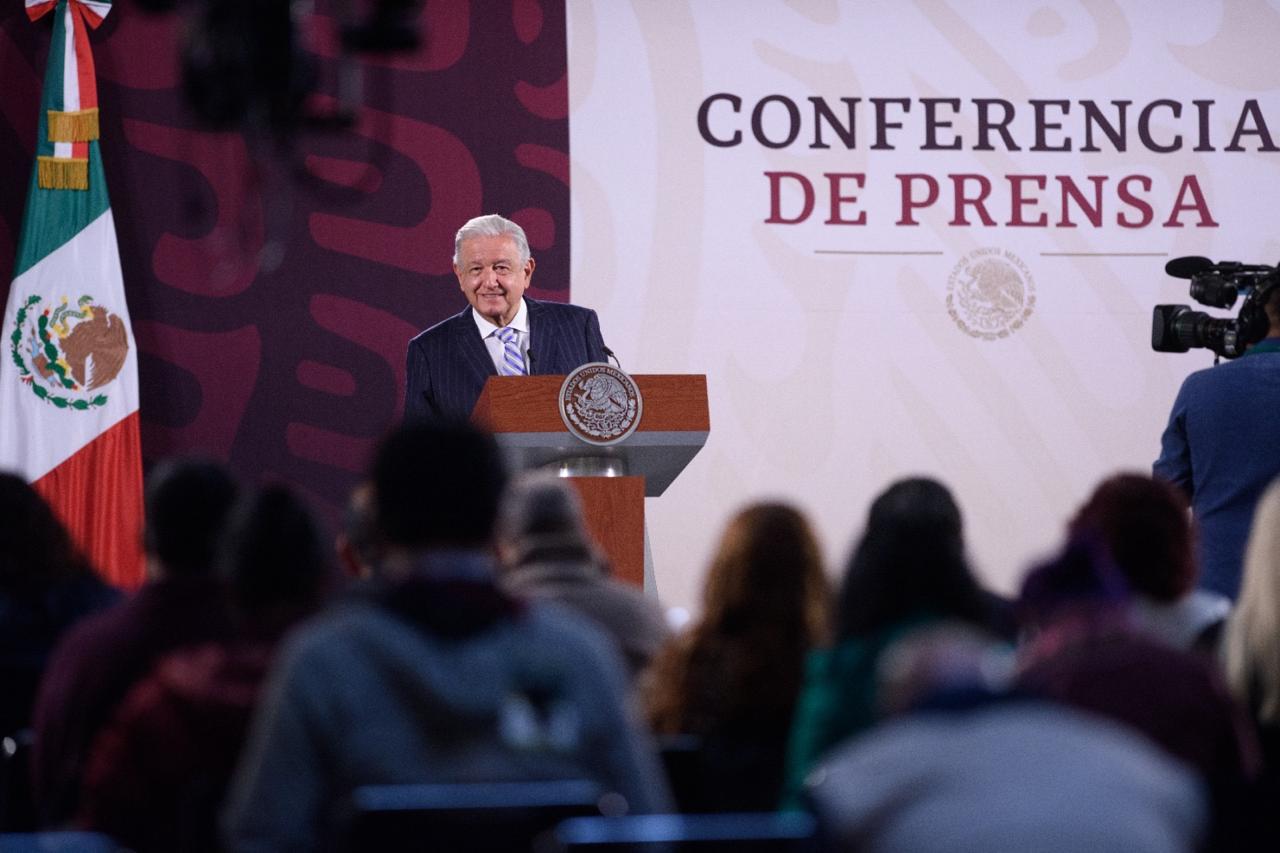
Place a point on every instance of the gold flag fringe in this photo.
(77, 126)
(62, 173)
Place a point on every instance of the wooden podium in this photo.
(523, 414)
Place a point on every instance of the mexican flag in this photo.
(69, 376)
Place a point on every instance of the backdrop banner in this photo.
(906, 238)
(274, 278)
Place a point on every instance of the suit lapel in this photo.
(544, 339)
(468, 342)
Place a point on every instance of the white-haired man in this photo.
(500, 332)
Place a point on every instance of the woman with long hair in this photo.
(1252, 641)
(732, 679)
(1251, 648)
(908, 571)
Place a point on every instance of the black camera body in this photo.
(1178, 328)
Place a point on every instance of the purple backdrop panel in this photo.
(273, 287)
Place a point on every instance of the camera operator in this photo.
(1221, 448)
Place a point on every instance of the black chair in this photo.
(17, 810)
(491, 817)
(722, 773)
(749, 832)
(681, 759)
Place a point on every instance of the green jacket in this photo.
(837, 701)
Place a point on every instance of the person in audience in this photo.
(46, 585)
(1251, 651)
(961, 762)
(546, 552)
(159, 770)
(103, 656)
(434, 674)
(731, 680)
(357, 542)
(908, 570)
(1084, 651)
(1145, 525)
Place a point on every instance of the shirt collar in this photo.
(443, 564)
(455, 564)
(520, 322)
(1265, 345)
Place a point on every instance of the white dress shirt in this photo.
(497, 350)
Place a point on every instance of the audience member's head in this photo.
(766, 604)
(1252, 642)
(187, 503)
(35, 549)
(1079, 581)
(437, 485)
(541, 514)
(274, 561)
(1145, 525)
(357, 543)
(768, 571)
(910, 561)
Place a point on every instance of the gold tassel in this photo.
(62, 173)
(78, 126)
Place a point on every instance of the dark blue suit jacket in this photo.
(1219, 447)
(448, 363)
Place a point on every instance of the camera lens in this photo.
(1167, 323)
(1213, 289)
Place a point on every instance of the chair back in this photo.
(680, 756)
(17, 808)
(748, 832)
(724, 773)
(58, 842)
(490, 817)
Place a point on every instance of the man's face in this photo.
(491, 275)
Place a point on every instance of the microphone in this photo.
(529, 353)
(1188, 267)
(1193, 265)
(609, 354)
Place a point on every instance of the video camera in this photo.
(1177, 328)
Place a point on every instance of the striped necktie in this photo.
(512, 360)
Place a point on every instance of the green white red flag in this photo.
(69, 378)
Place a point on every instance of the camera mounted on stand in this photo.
(1178, 328)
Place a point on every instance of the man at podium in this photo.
(499, 333)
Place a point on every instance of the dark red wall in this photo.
(273, 287)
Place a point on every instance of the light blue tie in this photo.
(512, 360)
